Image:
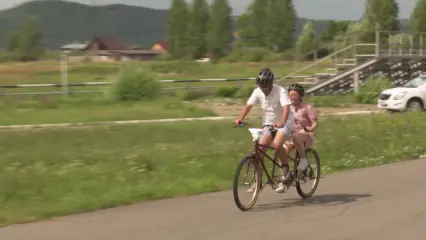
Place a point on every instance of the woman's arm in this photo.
(313, 117)
(312, 127)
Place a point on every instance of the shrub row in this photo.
(137, 83)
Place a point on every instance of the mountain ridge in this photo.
(63, 22)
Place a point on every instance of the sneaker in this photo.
(252, 188)
(303, 164)
(283, 186)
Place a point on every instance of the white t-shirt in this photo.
(272, 104)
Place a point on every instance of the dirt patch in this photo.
(232, 107)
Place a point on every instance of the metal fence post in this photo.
(64, 73)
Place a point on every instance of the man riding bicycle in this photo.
(275, 103)
(305, 123)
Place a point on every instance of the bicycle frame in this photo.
(257, 151)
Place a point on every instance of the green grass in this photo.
(49, 71)
(46, 173)
(332, 100)
(84, 109)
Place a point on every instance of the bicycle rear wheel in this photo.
(309, 174)
(250, 170)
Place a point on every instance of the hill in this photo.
(65, 22)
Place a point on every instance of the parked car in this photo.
(410, 96)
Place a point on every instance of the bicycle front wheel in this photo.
(247, 183)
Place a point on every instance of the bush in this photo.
(369, 92)
(135, 84)
(254, 54)
(244, 92)
(9, 57)
(226, 92)
(175, 66)
(273, 57)
(235, 56)
(164, 57)
(330, 100)
(190, 95)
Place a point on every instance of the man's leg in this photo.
(266, 140)
(299, 140)
(282, 135)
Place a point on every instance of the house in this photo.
(160, 46)
(110, 48)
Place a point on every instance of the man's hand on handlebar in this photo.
(278, 125)
(238, 121)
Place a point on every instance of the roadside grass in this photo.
(46, 173)
(44, 110)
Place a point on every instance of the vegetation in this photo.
(135, 83)
(46, 173)
(370, 92)
(48, 71)
(267, 29)
(89, 109)
(219, 32)
(418, 18)
(176, 32)
(133, 25)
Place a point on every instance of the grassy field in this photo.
(49, 71)
(45, 173)
(84, 109)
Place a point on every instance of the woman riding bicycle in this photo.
(305, 123)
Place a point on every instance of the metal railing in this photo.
(67, 88)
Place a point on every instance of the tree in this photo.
(251, 24)
(258, 16)
(418, 17)
(245, 29)
(197, 32)
(280, 24)
(177, 29)
(334, 30)
(220, 29)
(31, 46)
(330, 31)
(13, 41)
(383, 14)
(307, 41)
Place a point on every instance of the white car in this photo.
(410, 96)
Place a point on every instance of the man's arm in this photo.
(254, 98)
(285, 103)
(284, 117)
(245, 111)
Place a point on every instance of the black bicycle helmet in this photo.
(266, 76)
(298, 88)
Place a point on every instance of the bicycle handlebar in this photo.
(242, 124)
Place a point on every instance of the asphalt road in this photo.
(385, 202)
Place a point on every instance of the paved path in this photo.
(385, 202)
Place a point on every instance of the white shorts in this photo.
(287, 129)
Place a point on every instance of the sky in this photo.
(340, 10)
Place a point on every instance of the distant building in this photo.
(110, 48)
(74, 47)
(160, 46)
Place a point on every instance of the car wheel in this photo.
(414, 105)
